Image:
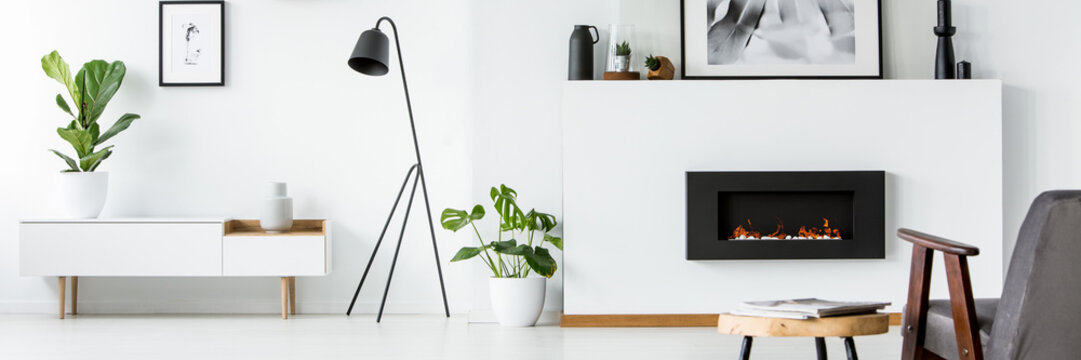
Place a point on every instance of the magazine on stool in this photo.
(802, 309)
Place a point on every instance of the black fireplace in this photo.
(786, 215)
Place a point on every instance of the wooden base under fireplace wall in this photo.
(657, 320)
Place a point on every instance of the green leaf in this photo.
(63, 104)
(55, 67)
(100, 80)
(503, 247)
(506, 205)
(557, 241)
(454, 219)
(120, 125)
(539, 221)
(541, 262)
(94, 167)
(478, 213)
(79, 139)
(70, 161)
(90, 162)
(519, 250)
(465, 254)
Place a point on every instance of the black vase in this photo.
(580, 64)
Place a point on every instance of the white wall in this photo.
(291, 111)
(515, 97)
(624, 183)
(520, 57)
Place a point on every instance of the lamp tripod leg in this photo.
(394, 262)
(394, 208)
(435, 247)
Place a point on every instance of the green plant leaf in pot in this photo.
(81, 140)
(503, 246)
(91, 162)
(55, 67)
(556, 241)
(100, 80)
(63, 104)
(71, 162)
(454, 220)
(119, 126)
(466, 253)
(506, 205)
(539, 221)
(541, 261)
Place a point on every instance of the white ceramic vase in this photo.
(82, 194)
(517, 302)
(277, 213)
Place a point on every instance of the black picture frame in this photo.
(683, 57)
(161, 34)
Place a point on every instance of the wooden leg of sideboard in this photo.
(75, 295)
(63, 295)
(292, 295)
(285, 297)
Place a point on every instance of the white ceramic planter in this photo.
(277, 213)
(517, 302)
(82, 194)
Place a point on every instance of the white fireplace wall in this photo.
(626, 147)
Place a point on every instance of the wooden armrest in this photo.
(936, 243)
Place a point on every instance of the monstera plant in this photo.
(517, 298)
(525, 235)
(89, 91)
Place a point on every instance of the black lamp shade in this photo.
(371, 53)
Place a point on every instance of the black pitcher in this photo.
(580, 66)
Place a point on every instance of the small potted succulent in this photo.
(623, 57)
(82, 189)
(660, 68)
(517, 298)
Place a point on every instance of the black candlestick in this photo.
(964, 70)
(944, 59)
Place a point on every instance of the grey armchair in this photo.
(1039, 313)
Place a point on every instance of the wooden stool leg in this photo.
(292, 295)
(63, 295)
(74, 295)
(820, 347)
(285, 297)
(745, 350)
(850, 348)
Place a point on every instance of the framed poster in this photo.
(783, 39)
(191, 43)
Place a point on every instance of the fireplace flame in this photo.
(749, 233)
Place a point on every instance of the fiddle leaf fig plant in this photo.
(90, 91)
(523, 252)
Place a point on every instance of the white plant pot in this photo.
(82, 194)
(517, 302)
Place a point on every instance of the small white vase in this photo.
(517, 302)
(82, 194)
(277, 214)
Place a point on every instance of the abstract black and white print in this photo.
(188, 41)
(193, 46)
(767, 32)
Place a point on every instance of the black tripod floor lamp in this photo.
(370, 57)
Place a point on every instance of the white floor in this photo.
(398, 337)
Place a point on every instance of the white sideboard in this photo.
(172, 247)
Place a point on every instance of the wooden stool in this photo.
(844, 327)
